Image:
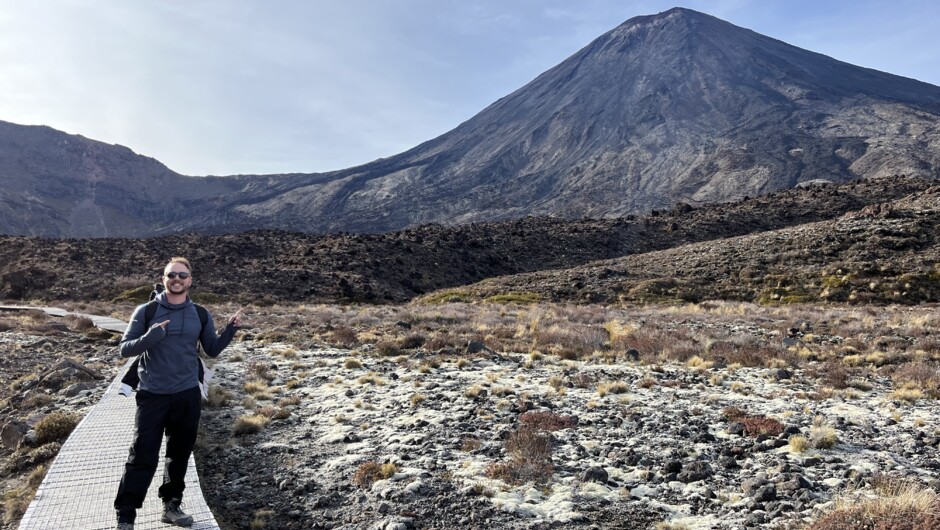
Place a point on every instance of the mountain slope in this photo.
(678, 106)
(265, 266)
(882, 253)
(61, 185)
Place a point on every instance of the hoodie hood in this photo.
(161, 299)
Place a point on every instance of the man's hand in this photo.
(163, 325)
(236, 319)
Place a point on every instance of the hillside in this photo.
(882, 253)
(756, 235)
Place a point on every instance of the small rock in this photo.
(475, 346)
(594, 474)
(695, 471)
(13, 432)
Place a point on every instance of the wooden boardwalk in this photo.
(79, 488)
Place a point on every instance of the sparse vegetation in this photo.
(55, 427)
(370, 472)
(897, 504)
(822, 435)
(530, 452)
(249, 424)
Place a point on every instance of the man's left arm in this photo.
(213, 344)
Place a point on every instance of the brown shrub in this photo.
(756, 425)
(344, 337)
(470, 444)
(572, 341)
(259, 370)
(77, 323)
(925, 376)
(930, 345)
(547, 421)
(649, 342)
(753, 425)
(834, 374)
(583, 380)
(412, 341)
(55, 427)
(530, 457)
(441, 341)
(368, 473)
(387, 348)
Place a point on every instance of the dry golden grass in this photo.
(249, 424)
(55, 427)
(417, 399)
(799, 444)
(612, 387)
(909, 393)
(894, 505)
(822, 435)
(474, 391)
(352, 364)
(371, 379)
(369, 473)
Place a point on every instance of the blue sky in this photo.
(271, 86)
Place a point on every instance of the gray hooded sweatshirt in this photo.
(169, 362)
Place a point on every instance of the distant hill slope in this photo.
(679, 106)
(883, 253)
(270, 266)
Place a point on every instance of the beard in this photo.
(175, 287)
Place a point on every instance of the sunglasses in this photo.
(173, 275)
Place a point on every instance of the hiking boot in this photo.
(174, 515)
(125, 519)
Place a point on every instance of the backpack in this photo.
(131, 378)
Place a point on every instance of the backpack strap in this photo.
(203, 317)
(149, 313)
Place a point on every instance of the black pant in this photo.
(178, 415)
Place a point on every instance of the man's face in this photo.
(173, 281)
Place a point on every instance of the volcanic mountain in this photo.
(674, 107)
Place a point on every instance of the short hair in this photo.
(182, 260)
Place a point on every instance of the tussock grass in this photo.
(612, 387)
(371, 379)
(822, 435)
(799, 444)
(352, 364)
(530, 453)
(371, 472)
(893, 504)
(249, 424)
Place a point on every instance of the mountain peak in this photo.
(676, 106)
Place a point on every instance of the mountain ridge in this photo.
(276, 266)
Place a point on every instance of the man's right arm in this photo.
(137, 338)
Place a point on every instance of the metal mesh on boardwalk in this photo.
(79, 488)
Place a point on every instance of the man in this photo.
(168, 395)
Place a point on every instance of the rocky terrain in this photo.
(266, 266)
(678, 106)
(52, 371)
(715, 415)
